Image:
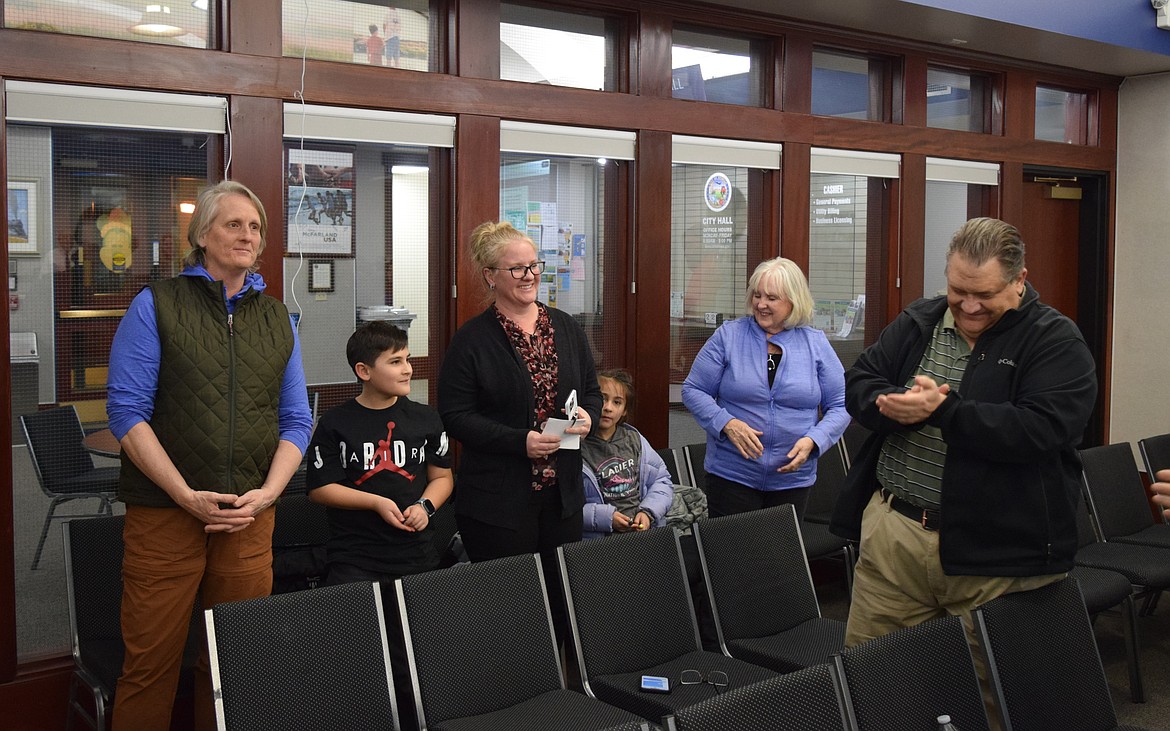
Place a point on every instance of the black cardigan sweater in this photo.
(487, 403)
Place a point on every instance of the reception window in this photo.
(848, 222)
(559, 185)
(401, 35)
(956, 190)
(713, 67)
(184, 23)
(543, 46)
(99, 184)
(363, 237)
(716, 241)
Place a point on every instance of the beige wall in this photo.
(1141, 305)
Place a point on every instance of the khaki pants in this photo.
(900, 582)
(168, 559)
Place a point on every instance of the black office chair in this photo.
(639, 576)
(93, 579)
(1118, 499)
(1102, 591)
(694, 455)
(482, 652)
(315, 659)
(762, 593)
(299, 533)
(854, 436)
(819, 543)
(910, 677)
(809, 698)
(1043, 659)
(1156, 456)
(679, 474)
(64, 469)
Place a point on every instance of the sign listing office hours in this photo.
(832, 207)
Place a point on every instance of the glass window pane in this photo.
(948, 206)
(957, 100)
(847, 85)
(549, 47)
(714, 68)
(182, 23)
(399, 36)
(335, 279)
(1062, 115)
(562, 202)
(708, 270)
(845, 238)
(101, 213)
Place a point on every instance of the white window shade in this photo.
(552, 139)
(962, 171)
(733, 153)
(342, 124)
(855, 162)
(104, 107)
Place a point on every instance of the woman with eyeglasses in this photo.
(506, 372)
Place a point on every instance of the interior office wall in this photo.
(1141, 329)
(30, 159)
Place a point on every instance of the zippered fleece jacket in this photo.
(1012, 475)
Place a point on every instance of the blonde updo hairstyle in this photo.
(488, 241)
(206, 210)
(781, 277)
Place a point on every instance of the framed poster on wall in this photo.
(320, 200)
(22, 217)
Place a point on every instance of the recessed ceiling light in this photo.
(153, 22)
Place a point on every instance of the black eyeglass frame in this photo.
(717, 678)
(517, 272)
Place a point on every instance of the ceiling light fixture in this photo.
(153, 22)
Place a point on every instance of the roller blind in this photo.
(855, 162)
(962, 171)
(344, 124)
(105, 107)
(552, 139)
(716, 151)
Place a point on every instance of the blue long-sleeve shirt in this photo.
(729, 380)
(134, 368)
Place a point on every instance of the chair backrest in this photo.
(479, 637)
(1156, 456)
(633, 575)
(910, 677)
(822, 498)
(299, 534)
(308, 659)
(93, 577)
(695, 455)
(809, 698)
(756, 572)
(54, 442)
(679, 474)
(1116, 494)
(1043, 655)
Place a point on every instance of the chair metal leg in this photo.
(1129, 623)
(45, 531)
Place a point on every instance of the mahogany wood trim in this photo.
(912, 251)
(254, 28)
(795, 203)
(476, 38)
(796, 95)
(655, 39)
(257, 161)
(477, 199)
(651, 361)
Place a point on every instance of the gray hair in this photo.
(980, 240)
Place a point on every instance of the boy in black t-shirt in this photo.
(380, 463)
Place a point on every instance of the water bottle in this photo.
(944, 724)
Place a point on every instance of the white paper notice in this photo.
(557, 427)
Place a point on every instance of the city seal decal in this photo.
(717, 192)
